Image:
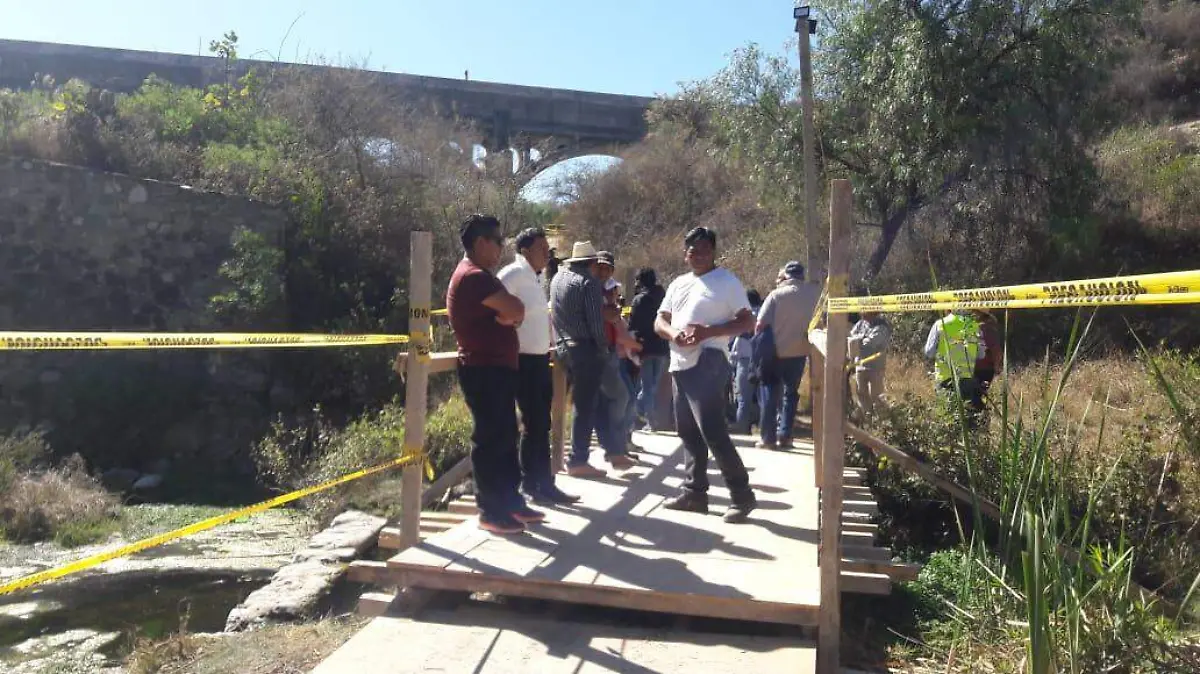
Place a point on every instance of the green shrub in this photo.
(314, 450)
(64, 504)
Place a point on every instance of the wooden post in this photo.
(817, 394)
(833, 433)
(558, 417)
(417, 384)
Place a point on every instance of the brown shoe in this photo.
(585, 470)
(621, 462)
(688, 502)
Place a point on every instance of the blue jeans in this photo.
(700, 418)
(779, 390)
(612, 407)
(652, 371)
(744, 393)
(585, 365)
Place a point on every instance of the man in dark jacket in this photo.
(647, 299)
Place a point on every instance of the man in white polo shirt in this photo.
(535, 388)
(699, 314)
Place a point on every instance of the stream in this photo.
(90, 621)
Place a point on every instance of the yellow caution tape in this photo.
(1182, 287)
(41, 341)
(203, 525)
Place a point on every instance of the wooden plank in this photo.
(865, 583)
(857, 538)
(602, 595)
(373, 604)
(860, 551)
(489, 639)
(832, 450)
(558, 417)
(462, 508)
(859, 526)
(369, 572)
(620, 537)
(416, 392)
(894, 570)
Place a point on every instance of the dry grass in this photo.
(274, 649)
(65, 504)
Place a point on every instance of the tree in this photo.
(920, 98)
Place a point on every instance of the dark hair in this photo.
(475, 226)
(529, 236)
(699, 234)
(753, 297)
(646, 278)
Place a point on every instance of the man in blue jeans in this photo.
(788, 310)
(699, 314)
(648, 297)
(578, 314)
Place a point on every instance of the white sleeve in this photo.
(668, 303)
(510, 279)
(735, 295)
(931, 342)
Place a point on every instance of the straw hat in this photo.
(583, 251)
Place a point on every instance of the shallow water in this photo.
(125, 608)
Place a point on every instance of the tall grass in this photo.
(1042, 578)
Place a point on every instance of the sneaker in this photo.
(585, 470)
(551, 496)
(688, 502)
(766, 445)
(621, 461)
(740, 512)
(527, 515)
(504, 525)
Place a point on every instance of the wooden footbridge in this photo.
(618, 549)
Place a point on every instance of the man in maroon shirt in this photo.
(485, 317)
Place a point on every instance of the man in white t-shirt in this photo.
(699, 314)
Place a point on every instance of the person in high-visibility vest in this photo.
(954, 344)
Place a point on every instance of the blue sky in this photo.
(642, 47)
(617, 46)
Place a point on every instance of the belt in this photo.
(572, 343)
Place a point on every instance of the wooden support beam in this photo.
(369, 572)
(558, 417)
(914, 465)
(416, 400)
(434, 492)
(832, 449)
(816, 374)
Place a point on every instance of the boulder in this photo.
(296, 591)
(147, 482)
(119, 479)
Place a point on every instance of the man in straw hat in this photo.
(578, 314)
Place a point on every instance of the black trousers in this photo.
(535, 394)
(491, 394)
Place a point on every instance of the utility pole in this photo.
(805, 28)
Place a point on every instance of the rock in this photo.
(138, 195)
(159, 466)
(296, 591)
(348, 536)
(148, 482)
(119, 479)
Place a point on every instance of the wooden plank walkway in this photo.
(618, 547)
(489, 641)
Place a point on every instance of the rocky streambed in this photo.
(88, 622)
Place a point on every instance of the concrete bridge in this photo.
(561, 122)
